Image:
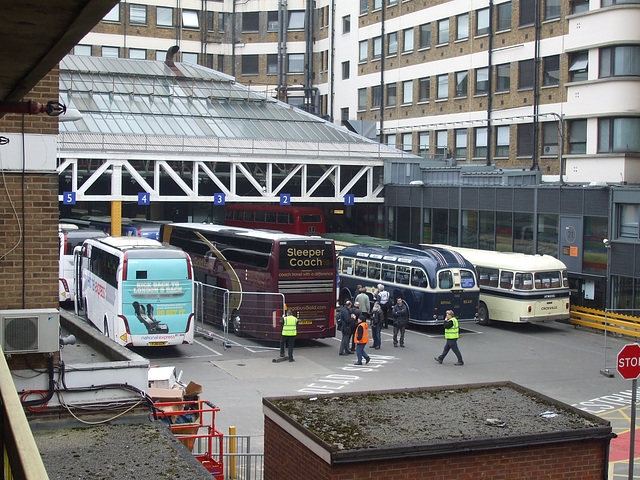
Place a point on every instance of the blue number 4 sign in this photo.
(144, 198)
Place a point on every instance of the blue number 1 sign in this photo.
(349, 199)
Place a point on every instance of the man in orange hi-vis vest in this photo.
(362, 339)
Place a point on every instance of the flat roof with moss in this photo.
(437, 420)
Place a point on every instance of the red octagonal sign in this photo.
(629, 361)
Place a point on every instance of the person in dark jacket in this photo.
(400, 315)
(377, 321)
(344, 325)
(355, 315)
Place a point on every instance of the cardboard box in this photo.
(192, 391)
(166, 394)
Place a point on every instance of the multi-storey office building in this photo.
(532, 83)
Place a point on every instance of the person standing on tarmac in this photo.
(362, 339)
(363, 299)
(377, 320)
(383, 297)
(344, 325)
(451, 334)
(289, 332)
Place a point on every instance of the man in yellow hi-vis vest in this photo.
(289, 332)
(451, 334)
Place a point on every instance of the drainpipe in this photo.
(382, 55)
(233, 40)
(332, 53)
(536, 87)
(490, 86)
(308, 77)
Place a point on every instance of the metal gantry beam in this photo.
(263, 180)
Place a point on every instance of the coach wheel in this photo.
(106, 327)
(235, 322)
(483, 314)
(344, 296)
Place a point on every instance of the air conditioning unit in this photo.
(30, 331)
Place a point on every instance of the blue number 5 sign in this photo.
(69, 198)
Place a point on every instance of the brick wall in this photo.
(287, 459)
(29, 275)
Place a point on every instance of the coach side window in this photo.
(402, 275)
(506, 280)
(418, 278)
(361, 268)
(388, 272)
(347, 266)
(374, 271)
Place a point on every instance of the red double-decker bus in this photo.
(285, 218)
(261, 271)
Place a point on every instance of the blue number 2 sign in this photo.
(285, 199)
(144, 198)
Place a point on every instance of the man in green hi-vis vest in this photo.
(289, 332)
(451, 334)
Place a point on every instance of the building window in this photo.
(250, 22)
(295, 63)
(551, 71)
(424, 89)
(272, 64)
(407, 142)
(345, 70)
(364, 7)
(607, 3)
(441, 144)
(407, 92)
(525, 74)
(190, 19)
(391, 95)
(391, 140)
(461, 143)
(462, 30)
(137, 53)
(164, 17)
(503, 77)
(220, 22)
(443, 87)
(113, 15)
(550, 134)
(296, 20)
(249, 64)
(111, 52)
(623, 60)
(443, 31)
(423, 143)
(376, 97)
(504, 16)
(482, 81)
(425, 35)
(377, 4)
(220, 63)
(552, 9)
(480, 142)
(161, 55)
(408, 40)
(619, 135)
(527, 12)
(461, 84)
(82, 50)
(272, 21)
(346, 24)
(579, 6)
(502, 141)
(525, 140)
(362, 99)
(363, 47)
(482, 22)
(578, 136)
(579, 67)
(628, 220)
(392, 40)
(344, 114)
(137, 14)
(377, 47)
(190, 58)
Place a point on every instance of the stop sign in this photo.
(629, 361)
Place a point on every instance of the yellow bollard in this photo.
(116, 218)
(232, 451)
